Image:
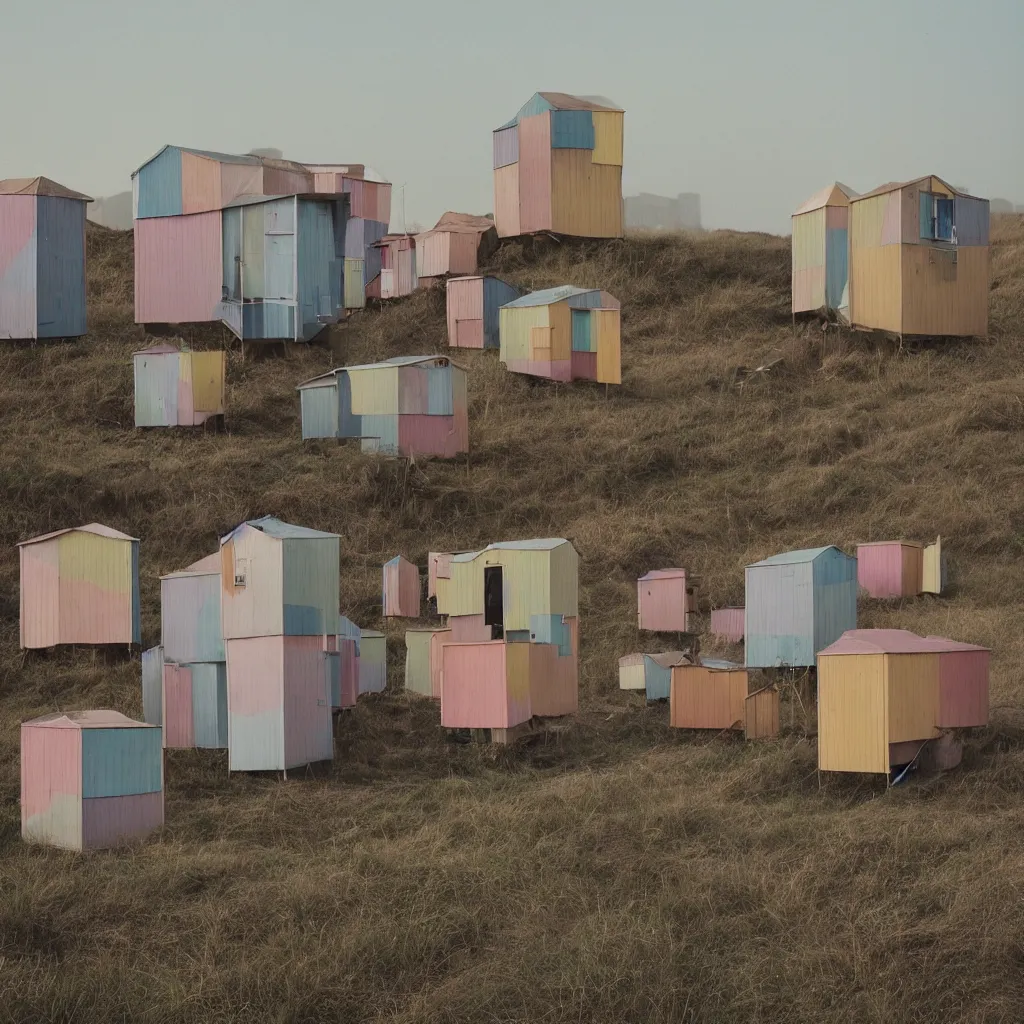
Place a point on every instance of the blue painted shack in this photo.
(797, 604)
(42, 260)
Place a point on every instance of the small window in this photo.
(241, 572)
(936, 220)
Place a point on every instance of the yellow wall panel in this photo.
(809, 241)
(514, 327)
(586, 198)
(943, 297)
(608, 130)
(913, 684)
(866, 219)
(852, 717)
(506, 200)
(207, 380)
(89, 558)
(606, 323)
(560, 318)
(375, 392)
(875, 287)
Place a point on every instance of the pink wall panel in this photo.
(432, 435)
(560, 369)
(18, 264)
(200, 183)
(963, 689)
(179, 730)
(178, 270)
(51, 764)
(554, 682)
(808, 289)
(254, 669)
(437, 645)
(465, 301)
(880, 569)
(469, 629)
(17, 225)
(307, 702)
(279, 181)
(462, 253)
(584, 366)
(413, 390)
(40, 595)
(728, 622)
(535, 174)
(111, 820)
(239, 180)
(402, 583)
(837, 217)
(662, 604)
(90, 615)
(474, 689)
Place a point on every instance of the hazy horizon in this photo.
(752, 106)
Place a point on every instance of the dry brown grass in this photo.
(617, 872)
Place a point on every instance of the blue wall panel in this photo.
(972, 220)
(572, 129)
(496, 294)
(210, 705)
(60, 267)
(317, 261)
(836, 266)
(581, 330)
(121, 762)
(320, 411)
(657, 680)
(439, 391)
(381, 433)
(349, 424)
(160, 185)
(536, 104)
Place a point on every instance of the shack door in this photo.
(494, 601)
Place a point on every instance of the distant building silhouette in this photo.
(661, 213)
(112, 212)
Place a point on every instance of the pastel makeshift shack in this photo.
(80, 586)
(666, 601)
(563, 334)
(714, 695)
(728, 623)
(651, 673)
(178, 389)
(919, 260)
(514, 592)
(798, 603)
(42, 260)
(373, 662)
(455, 245)
(423, 660)
(90, 780)
(279, 609)
(558, 168)
(408, 405)
(473, 304)
(401, 589)
(884, 693)
(820, 250)
(397, 266)
(342, 656)
(902, 568)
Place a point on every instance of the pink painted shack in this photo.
(486, 685)
(455, 245)
(666, 601)
(279, 615)
(90, 780)
(401, 589)
(472, 306)
(728, 624)
(899, 568)
(80, 586)
(397, 266)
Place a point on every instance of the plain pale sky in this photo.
(755, 104)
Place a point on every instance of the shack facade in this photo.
(472, 305)
(820, 250)
(455, 245)
(176, 388)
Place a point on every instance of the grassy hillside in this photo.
(617, 870)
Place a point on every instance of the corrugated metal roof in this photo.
(893, 641)
(825, 196)
(895, 186)
(88, 720)
(890, 543)
(719, 664)
(274, 527)
(548, 296)
(39, 186)
(97, 528)
(663, 574)
(393, 361)
(794, 557)
(566, 101)
(208, 566)
(540, 544)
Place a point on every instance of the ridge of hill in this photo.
(616, 870)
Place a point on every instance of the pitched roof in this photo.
(566, 101)
(208, 566)
(39, 187)
(795, 557)
(97, 528)
(836, 194)
(670, 659)
(895, 186)
(384, 364)
(663, 574)
(540, 544)
(461, 224)
(549, 296)
(274, 527)
(102, 719)
(893, 641)
(890, 543)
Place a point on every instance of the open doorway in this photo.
(494, 601)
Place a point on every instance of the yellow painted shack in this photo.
(820, 244)
(919, 260)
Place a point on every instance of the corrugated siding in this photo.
(517, 324)
(880, 569)
(96, 589)
(210, 706)
(437, 644)
(875, 282)
(240, 180)
(255, 673)
(51, 786)
(496, 294)
(836, 266)
(440, 401)
(153, 686)
(535, 203)
(253, 252)
(932, 576)
(972, 219)
(158, 185)
(200, 183)
(40, 594)
(374, 391)
(373, 663)
(18, 265)
(177, 710)
(572, 129)
(406, 272)
(852, 714)
(209, 371)
(379, 434)
(355, 286)
(835, 598)
(464, 300)
(581, 341)
(506, 146)
(320, 411)
(657, 680)
(60, 275)
(808, 254)
(178, 269)
(586, 198)
(432, 252)
(761, 712)
(256, 609)
(401, 594)
(728, 623)
(113, 820)
(156, 389)
(945, 293)
(912, 681)
(417, 661)
(190, 618)
(506, 201)
(605, 336)
(963, 689)
(631, 672)
(702, 699)
(779, 615)
(311, 585)
(307, 702)
(608, 137)
(662, 605)
(463, 250)
(319, 268)
(121, 762)
(413, 390)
